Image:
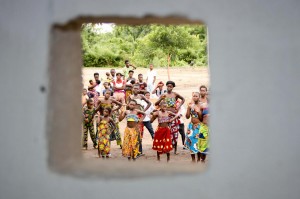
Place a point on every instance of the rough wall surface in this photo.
(254, 52)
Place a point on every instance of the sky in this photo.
(104, 27)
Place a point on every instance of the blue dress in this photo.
(192, 138)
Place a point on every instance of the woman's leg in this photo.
(168, 157)
(193, 157)
(158, 156)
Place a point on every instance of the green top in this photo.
(126, 72)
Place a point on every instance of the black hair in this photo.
(146, 92)
(132, 81)
(96, 74)
(90, 80)
(112, 69)
(140, 74)
(90, 100)
(202, 86)
(108, 109)
(171, 82)
(131, 71)
(126, 61)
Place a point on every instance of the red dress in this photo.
(162, 141)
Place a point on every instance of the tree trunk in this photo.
(169, 58)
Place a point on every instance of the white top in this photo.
(149, 110)
(98, 87)
(150, 76)
(182, 111)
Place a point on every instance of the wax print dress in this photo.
(103, 135)
(162, 141)
(131, 139)
(192, 137)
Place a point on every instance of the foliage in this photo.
(144, 44)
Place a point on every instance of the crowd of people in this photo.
(125, 97)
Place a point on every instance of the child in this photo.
(108, 78)
(131, 135)
(162, 138)
(194, 111)
(84, 97)
(106, 88)
(109, 102)
(104, 133)
(159, 90)
(142, 84)
(88, 123)
(130, 81)
(139, 98)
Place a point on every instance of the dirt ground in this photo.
(187, 80)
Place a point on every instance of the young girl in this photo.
(204, 136)
(131, 135)
(194, 111)
(109, 102)
(162, 142)
(139, 98)
(104, 133)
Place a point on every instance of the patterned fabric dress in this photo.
(162, 141)
(88, 126)
(174, 125)
(192, 138)
(131, 140)
(203, 139)
(103, 135)
(115, 132)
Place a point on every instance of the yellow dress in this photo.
(131, 141)
(103, 135)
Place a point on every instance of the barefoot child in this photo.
(104, 133)
(109, 102)
(194, 111)
(162, 142)
(131, 135)
(88, 123)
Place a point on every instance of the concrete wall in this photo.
(254, 52)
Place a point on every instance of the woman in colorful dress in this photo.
(131, 139)
(162, 141)
(109, 102)
(194, 111)
(119, 89)
(170, 98)
(139, 98)
(204, 135)
(104, 131)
